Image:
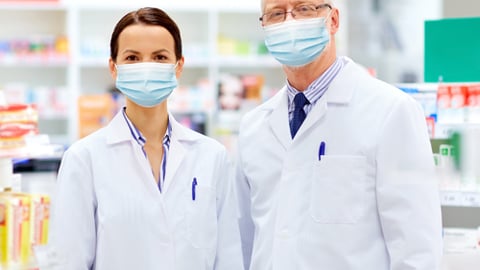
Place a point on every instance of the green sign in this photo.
(452, 50)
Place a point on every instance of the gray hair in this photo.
(262, 3)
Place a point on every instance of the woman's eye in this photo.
(160, 58)
(131, 58)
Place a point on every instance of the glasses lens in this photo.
(305, 12)
(274, 16)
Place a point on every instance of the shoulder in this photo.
(193, 139)
(258, 115)
(89, 144)
(371, 88)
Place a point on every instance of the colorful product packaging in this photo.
(16, 122)
(15, 240)
(3, 232)
(40, 215)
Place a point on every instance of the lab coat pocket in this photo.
(201, 218)
(338, 189)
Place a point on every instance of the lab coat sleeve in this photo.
(229, 254)
(407, 190)
(72, 237)
(247, 229)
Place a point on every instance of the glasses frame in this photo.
(292, 12)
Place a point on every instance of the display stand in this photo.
(38, 205)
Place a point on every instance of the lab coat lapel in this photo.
(314, 116)
(176, 154)
(182, 138)
(340, 92)
(278, 120)
(117, 132)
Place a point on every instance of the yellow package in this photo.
(3, 231)
(15, 244)
(40, 216)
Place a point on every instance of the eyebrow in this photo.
(294, 3)
(137, 52)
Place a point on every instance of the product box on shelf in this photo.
(15, 248)
(24, 217)
(458, 103)
(94, 112)
(24, 223)
(40, 216)
(16, 122)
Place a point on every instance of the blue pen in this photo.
(194, 184)
(321, 150)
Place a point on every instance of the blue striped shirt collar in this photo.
(318, 87)
(137, 135)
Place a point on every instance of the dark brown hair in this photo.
(147, 16)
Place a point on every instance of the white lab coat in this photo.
(108, 211)
(371, 202)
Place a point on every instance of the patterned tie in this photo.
(298, 114)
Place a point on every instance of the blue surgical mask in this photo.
(297, 42)
(147, 84)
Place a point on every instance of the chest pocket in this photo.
(201, 218)
(338, 189)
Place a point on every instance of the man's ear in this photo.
(334, 21)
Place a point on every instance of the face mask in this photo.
(147, 84)
(297, 43)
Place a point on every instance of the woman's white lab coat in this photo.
(108, 211)
(371, 202)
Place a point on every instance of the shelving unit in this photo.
(38, 23)
(460, 198)
(88, 25)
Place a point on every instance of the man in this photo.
(341, 177)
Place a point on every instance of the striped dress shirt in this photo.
(140, 139)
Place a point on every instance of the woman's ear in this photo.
(179, 68)
(112, 68)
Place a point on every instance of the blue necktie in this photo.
(298, 114)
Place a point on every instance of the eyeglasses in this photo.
(299, 12)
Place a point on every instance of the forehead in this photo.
(269, 4)
(145, 37)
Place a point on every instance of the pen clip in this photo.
(194, 184)
(321, 150)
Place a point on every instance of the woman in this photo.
(145, 192)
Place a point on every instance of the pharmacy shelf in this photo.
(460, 217)
(219, 37)
(460, 198)
(87, 25)
(34, 151)
(460, 209)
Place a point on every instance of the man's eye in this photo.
(304, 9)
(275, 14)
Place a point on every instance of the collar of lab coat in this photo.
(339, 92)
(118, 131)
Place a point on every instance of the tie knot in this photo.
(300, 100)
